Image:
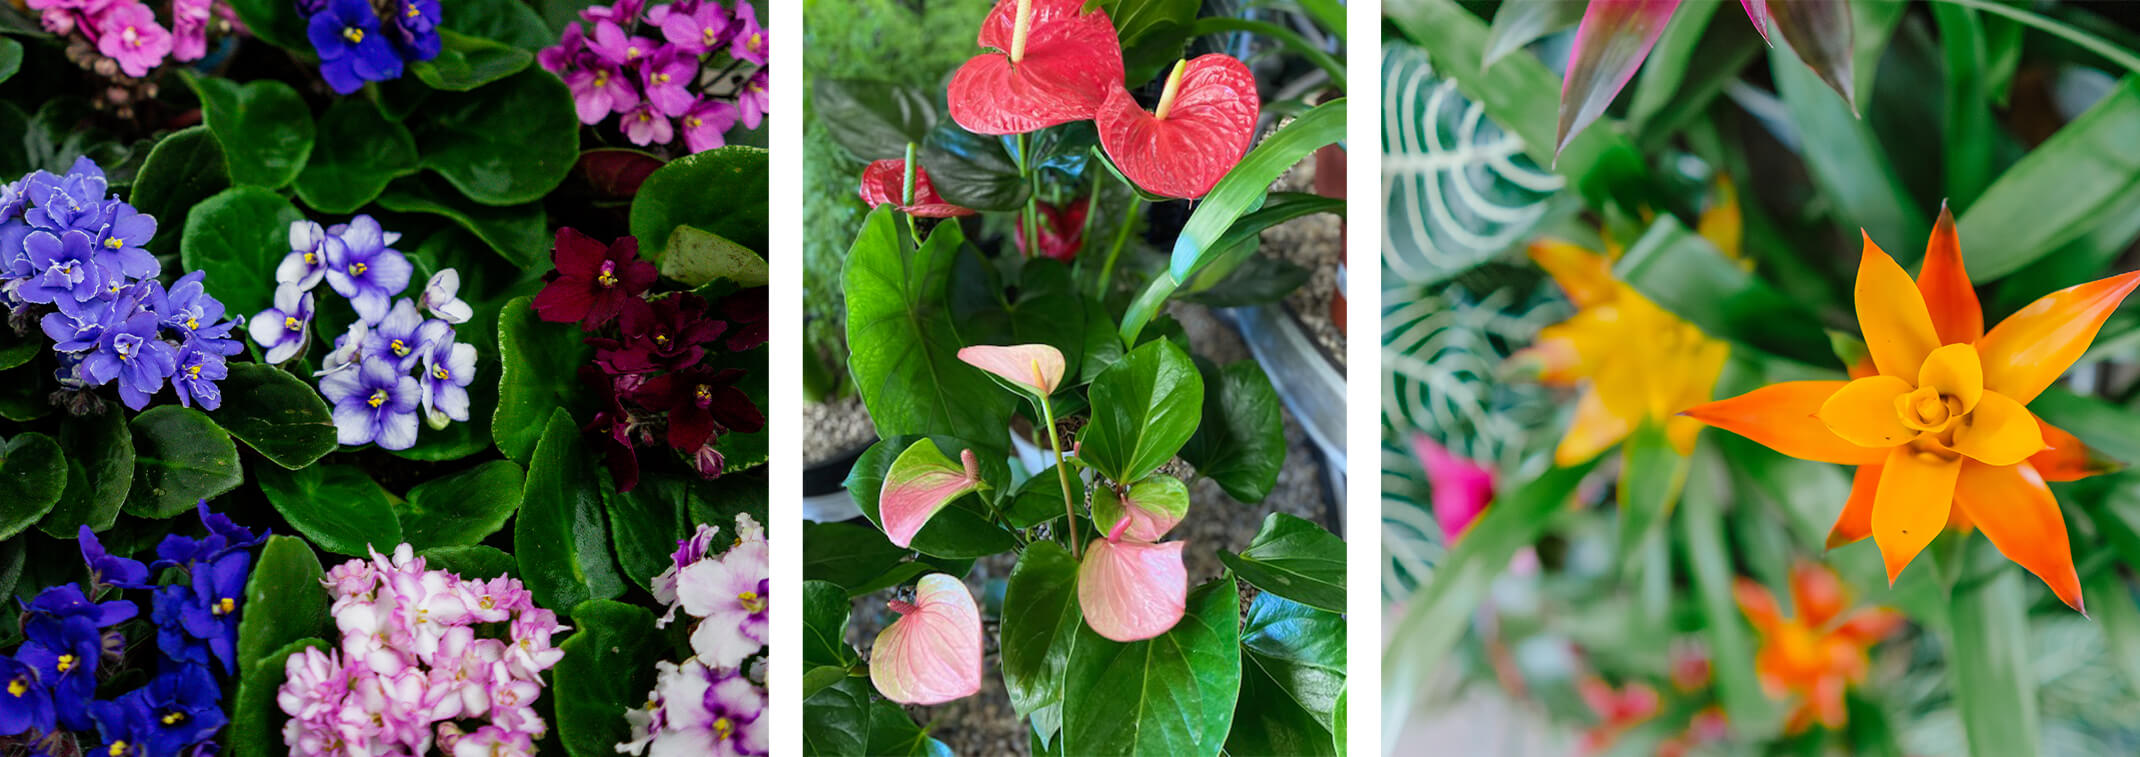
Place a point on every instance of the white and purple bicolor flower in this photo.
(361, 267)
(284, 329)
(441, 297)
(373, 404)
(396, 337)
(348, 350)
(307, 262)
(448, 369)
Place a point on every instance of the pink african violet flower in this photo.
(189, 28)
(749, 40)
(130, 35)
(645, 126)
(706, 124)
(932, 653)
(667, 76)
(752, 101)
(696, 710)
(598, 91)
(488, 741)
(1462, 488)
(616, 48)
(1131, 590)
(697, 32)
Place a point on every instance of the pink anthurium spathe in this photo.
(1037, 368)
(1131, 590)
(1203, 124)
(932, 653)
(1462, 488)
(884, 183)
(922, 481)
(1152, 506)
(1053, 62)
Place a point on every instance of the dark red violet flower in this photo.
(747, 318)
(614, 423)
(1062, 229)
(666, 334)
(592, 282)
(701, 402)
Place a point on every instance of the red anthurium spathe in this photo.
(1034, 367)
(884, 183)
(921, 482)
(1054, 62)
(1131, 590)
(1153, 506)
(1204, 122)
(1062, 229)
(932, 653)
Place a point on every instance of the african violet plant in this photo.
(947, 332)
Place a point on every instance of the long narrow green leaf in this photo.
(1519, 24)
(1846, 159)
(2110, 602)
(1652, 476)
(1291, 39)
(1969, 119)
(1994, 689)
(1440, 613)
(2061, 190)
(1731, 648)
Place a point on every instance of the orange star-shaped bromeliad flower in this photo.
(1809, 658)
(1942, 428)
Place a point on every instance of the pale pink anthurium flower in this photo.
(1036, 367)
(1462, 488)
(1132, 590)
(932, 653)
(922, 481)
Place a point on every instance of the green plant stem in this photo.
(2058, 29)
(1292, 39)
(906, 196)
(1032, 196)
(1055, 442)
(1129, 222)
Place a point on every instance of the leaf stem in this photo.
(1055, 442)
(1032, 197)
(2079, 38)
(906, 196)
(1129, 221)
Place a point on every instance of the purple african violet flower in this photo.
(441, 297)
(29, 704)
(568, 53)
(190, 310)
(415, 28)
(749, 40)
(622, 12)
(705, 125)
(78, 326)
(348, 350)
(129, 34)
(198, 370)
(599, 90)
(448, 369)
(361, 267)
(730, 594)
(668, 76)
(120, 250)
(106, 568)
(395, 338)
(373, 404)
(73, 201)
(752, 101)
(699, 31)
(617, 48)
(307, 262)
(728, 720)
(284, 330)
(131, 352)
(63, 266)
(644, 126)
(351, 50)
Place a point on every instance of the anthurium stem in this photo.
(1055, 442)
(1032, 196)
(906, 197)
(1166, 96)
(1018, 33)
(1129, 222)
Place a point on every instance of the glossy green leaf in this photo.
(1439, 614)
(561, 539)
(648, 521)
(1040, 499)
(848, 720)
(518, 233)
(277, 414)
(180, 458)
(338, 507)
(10, 58)
(183, 169)
(903, 351)
(504, 143)
(1042, 306)
(1845, 158)
(1292, 673)
(1295, 559)
(2110, 603)
(604, 673)
(512, 22)
(1708, 554)
(1518, 24)
(721, 191)
(2061, 190)
(1238, 247)
(238, 237)
(1171, 694)
(1652, 475)
(1144, 408)
(461, 508)
(1241, 441)
(973, 170)
(100, 469)
(1994, 687)
(1039, 628)
(824, 644)
(33, 474)
(284, 601)
(466, 62)
(257, 719)
(276, 22)
(846, 554)
(1242, 190)
(359, 151)
(873, 120)
(695, 258)
(264, 127)
(473, 561)
(538, 366)
(956, 532)
(1683, 273)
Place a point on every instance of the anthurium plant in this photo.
(359, 397)
(1755, 423)
(996, 311)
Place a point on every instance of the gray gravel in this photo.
(834, 428)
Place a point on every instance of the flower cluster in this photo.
(425, 655)
(712, 703)
(115, 37)
(655, 368)
(366, 378)
(72, 260)
(662, 70)
(358, 42)
(73, 645)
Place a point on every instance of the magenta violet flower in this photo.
(705, 125)
(748, 40)
(189, 28)
(129, 34)
(698, 31)
(646, 125)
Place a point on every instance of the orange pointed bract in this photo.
(1784, 418)
(2016, 511)
(1856, 521)
(1910, 506)
(1811, 656)
(1944, 282)
(1898, 327)
(2029, 350)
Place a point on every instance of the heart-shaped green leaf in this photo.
(237, 238)
(560, 537)
(1292, 673)
(605, 672)
(462, 508)
(973, 171)
(284, 601)
(100, 469)
(903, 350)
(1144, 408)
(1171, 694)
(466, 62)
(180, 458)
(277, 414)
(825, 606)
(264, 128)
(256, 718)
(336, 506)
(181, 171)
(847, 555)
(359, 151)
(1295, 559)
(874, 120)
(1040, 622)
(504, 143)
(538, 372)
(1241, 441)
(33, 473)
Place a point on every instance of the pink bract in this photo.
(1462, 488)
(921, 482)
(884, 183)
(1037, 367)
(1070, 62)
(1131, 591)
(1189, 143)
(932, 653)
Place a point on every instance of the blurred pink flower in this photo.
(1462, 488)
(130, 35)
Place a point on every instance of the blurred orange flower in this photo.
(1809, 658)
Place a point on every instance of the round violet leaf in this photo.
(359, 151)
(277, 414)
(560, 536)
(33, 473)
(337, 507)
(238, 237)
(256, 718)
(723, 191)
(504, 143)
(180, 458)
(462, 508)
(605, 672)
(538, 371)
(284, 601)
(264, 127)
(182, 170)
(100, 470)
